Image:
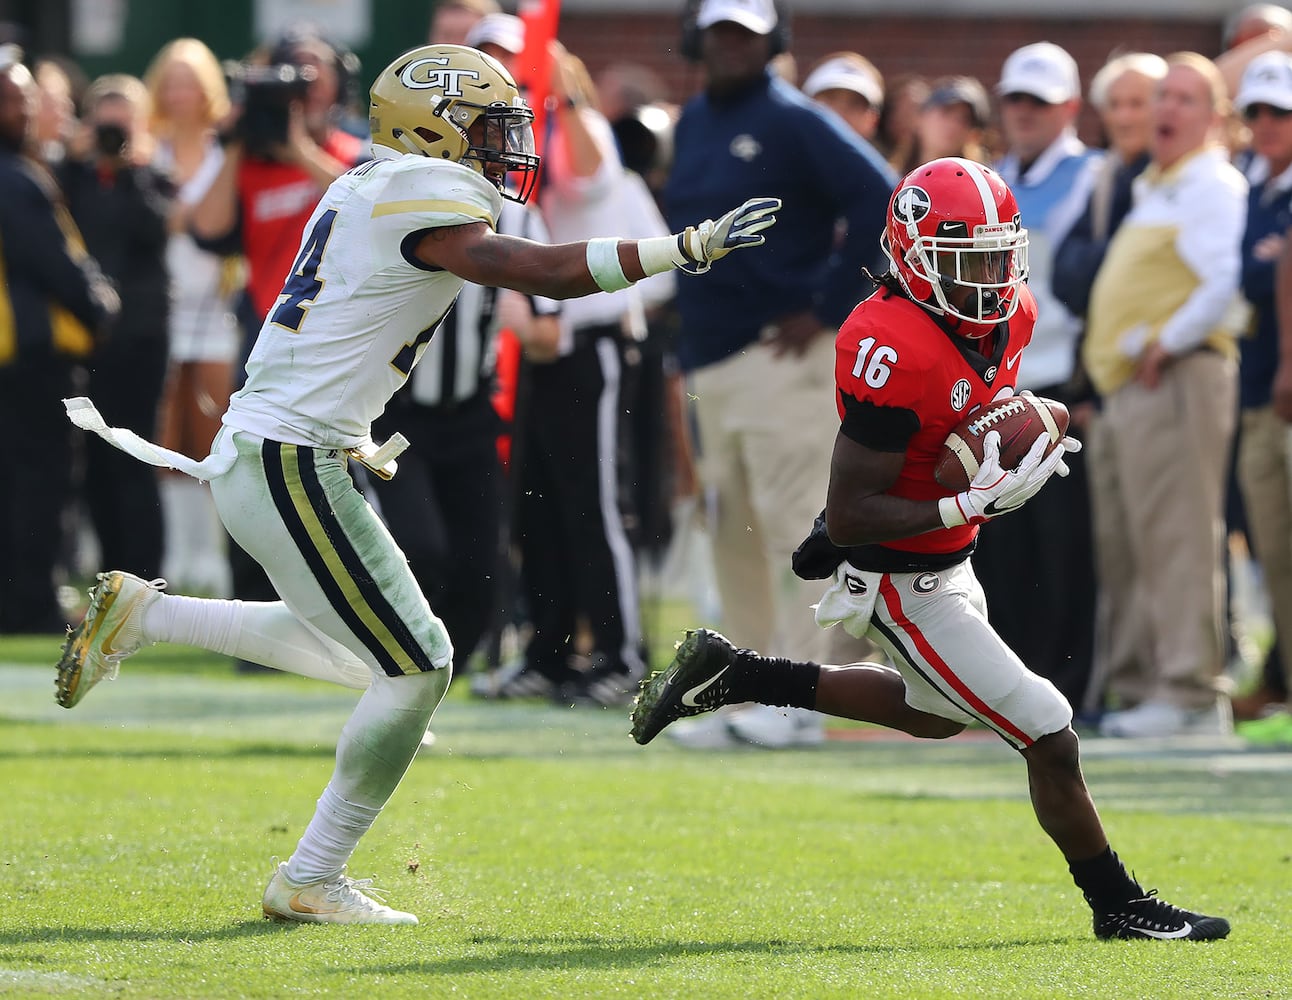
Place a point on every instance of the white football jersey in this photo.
(358, 309)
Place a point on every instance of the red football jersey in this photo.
(898, 370)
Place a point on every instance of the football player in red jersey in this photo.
(940, 336)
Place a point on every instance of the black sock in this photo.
(1104, 881)
(774, 680)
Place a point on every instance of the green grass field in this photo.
(549, 856)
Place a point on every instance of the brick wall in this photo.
(974, 46)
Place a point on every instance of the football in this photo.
(1020, 421)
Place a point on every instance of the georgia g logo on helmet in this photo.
(912, 205)
(432, 73)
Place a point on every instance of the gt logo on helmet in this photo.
(431, 74)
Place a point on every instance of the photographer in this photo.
(284, 148)
(121, 203)
(269, 183)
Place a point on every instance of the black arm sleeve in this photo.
(879, 428)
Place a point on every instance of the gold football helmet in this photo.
(455, 103)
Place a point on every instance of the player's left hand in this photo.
(741, 227)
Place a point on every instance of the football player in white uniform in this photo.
(381, 261)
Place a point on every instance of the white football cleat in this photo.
(111, 630)
(338, 900)
(778, 728)
(708, 732)
(1159, 719)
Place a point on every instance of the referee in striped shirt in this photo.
(445, 507)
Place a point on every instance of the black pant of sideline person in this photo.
(445, 509)
(39, 460)
(573, 522)
(126, 379)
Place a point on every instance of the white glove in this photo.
(994, 491)
(696, 248)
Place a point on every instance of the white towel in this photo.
(82, 412)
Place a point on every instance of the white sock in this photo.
(377, 744)
(262, 632)
(330, 838)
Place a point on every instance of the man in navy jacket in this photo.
(757, 341)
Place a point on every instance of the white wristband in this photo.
(661, 253)
(604, 266)
(952, 515)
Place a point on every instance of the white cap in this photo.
(759, 16)
(841, 73)
(507, 31)
(1267, 80)
(1042, 70)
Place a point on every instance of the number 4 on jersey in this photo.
(874, 364)
(303, 284)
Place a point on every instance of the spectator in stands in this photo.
(1122, 93)
(1257, 20)
(54, 305)
(1160, 352)
(1248, 33)
(1264, 467)
(1048, 619)
(849, 85)
(758, 344)
(56, 115)
(263, 195)
(896, 136)
(952, 120)
(453, 19)
(190, 101)
(121, 204)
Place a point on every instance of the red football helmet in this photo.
(956, 243)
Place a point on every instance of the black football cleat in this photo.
(1150, 917)
(693, 683)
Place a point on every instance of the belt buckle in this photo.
(380, 461)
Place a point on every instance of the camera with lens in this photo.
(110, 140)
(266, 94)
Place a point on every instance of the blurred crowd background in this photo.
(182, 147)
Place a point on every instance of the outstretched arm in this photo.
(570, 270)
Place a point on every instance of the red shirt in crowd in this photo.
(277, 200)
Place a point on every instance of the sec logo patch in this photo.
(960, 393)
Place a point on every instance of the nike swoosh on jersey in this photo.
(1012, 360)
(689, 698)
(1184, 931)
